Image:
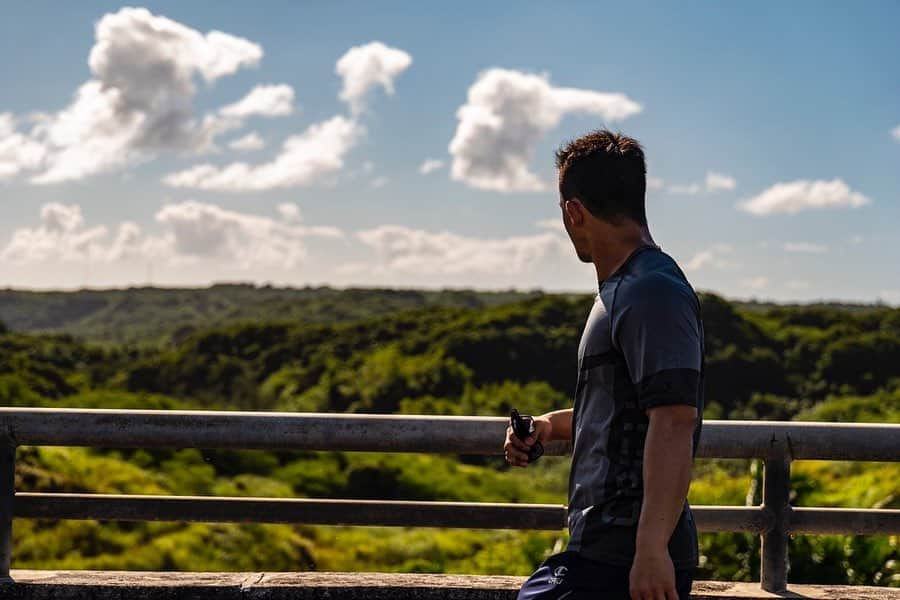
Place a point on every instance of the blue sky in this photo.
(786, 110)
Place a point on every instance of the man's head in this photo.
(602, 181)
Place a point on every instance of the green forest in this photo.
(240, 347)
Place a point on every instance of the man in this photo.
(638, 403)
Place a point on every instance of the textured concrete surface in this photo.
(147, 585)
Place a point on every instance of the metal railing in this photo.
(776, 443)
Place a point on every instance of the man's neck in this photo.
(613, 255)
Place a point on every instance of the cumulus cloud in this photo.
(716, 256)
(304, 159)
(792, 197)
(18, 152)
(289, 211)
(506, 114)
(200, 230)
(896, 133)
(60, 236)
(718, 181)
(714, 182)
(655, 183)
(805, 247)
(415, 251)
(430, 164)
(365, 67)
(551, 224)
(756, 283)
(890, 297)
(139, 98)
(193, 231)
(687, 189)
(264, 100)
(379, 182)
(247, 143)
(797, 285)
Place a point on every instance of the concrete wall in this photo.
(143, 585)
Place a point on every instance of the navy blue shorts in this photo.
(570, 576)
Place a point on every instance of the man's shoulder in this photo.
(652, 281)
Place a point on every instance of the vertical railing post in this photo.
(7, 490)
(776, 498)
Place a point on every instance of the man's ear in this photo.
(575, 211)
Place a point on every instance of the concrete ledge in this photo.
(157, 585)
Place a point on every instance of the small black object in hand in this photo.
(523, 426)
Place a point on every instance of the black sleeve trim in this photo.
(671, 386)
(604, 358)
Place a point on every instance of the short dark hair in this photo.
(607, 173)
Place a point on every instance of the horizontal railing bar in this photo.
(410, 433)
(749, 519)
(314, 511)
(845, 521)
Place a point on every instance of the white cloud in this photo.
(430, 164)
(60, 236)
(201, 230)
(797, 285)
(719, 181)
(890, 297)
(289, 211)
(17, 151)
(688, 189)
(805, 247)
(710, 257)
(247, 143)
(264, 100)
(139, 99)
(414, 251)
(365, 67)
(655, 183)
(304, 159)
(756, 283)
(550, 224)
(792, 197)
(506, 114)
(714, 182)
(379, 182)
(194, 231)
(896, 133)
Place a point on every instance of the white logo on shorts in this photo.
(558, 574)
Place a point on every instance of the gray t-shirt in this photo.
(642, 347)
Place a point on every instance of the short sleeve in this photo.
(657, 329)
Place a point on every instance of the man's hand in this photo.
(516, 450)
(652, 576)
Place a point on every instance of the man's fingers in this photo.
(671, 593)
(518, 444)
(515, 441)
(516, 456)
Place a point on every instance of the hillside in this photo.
(425, 354)
(150, 315)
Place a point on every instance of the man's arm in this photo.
(560, 424)
(668, 451)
